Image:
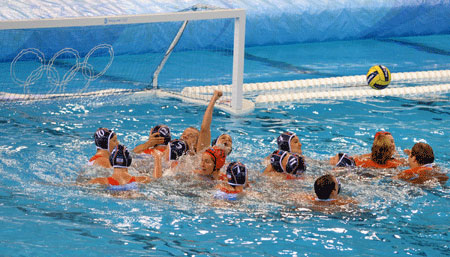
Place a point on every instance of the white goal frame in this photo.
(238, 15)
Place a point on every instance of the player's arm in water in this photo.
(204, 138)
(157, 170)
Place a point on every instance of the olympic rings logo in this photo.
(53, 74)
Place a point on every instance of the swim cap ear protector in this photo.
(236, 174)
(284, 141)
(218, 156)
(214, 141)
(102, 137)
(177, 148)
(163, 131)
(276, 158)
(294, 166)
(345, 160)
(120, 157)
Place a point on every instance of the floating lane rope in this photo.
(348, 81)
(346, 94)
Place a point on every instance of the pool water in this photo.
(45, 146)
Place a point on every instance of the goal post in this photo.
(99, 22)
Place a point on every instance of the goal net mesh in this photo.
(96, 60)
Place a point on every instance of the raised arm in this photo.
(153, 140)
(204, 138)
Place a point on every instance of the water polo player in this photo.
(342, 160)
(157, 141)
(105, 141)
(120, 180)
(285, 165)
(232, 189)
(381, 157)
(212, 161)
(289, 142)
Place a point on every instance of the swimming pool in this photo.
(45, 145)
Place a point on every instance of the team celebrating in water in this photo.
(285, 163)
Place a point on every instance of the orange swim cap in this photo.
(218, 156)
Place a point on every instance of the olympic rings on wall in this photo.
(53, 74)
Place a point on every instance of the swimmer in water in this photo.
(285, 165)
(289, 142)
(106, 141)
(176, 149)
(381, 157)
(157, 141)
(342, 160)
(421, 158)
(327, 189)
(121, 180)
(233, 188)
(198, 140)
(212, 161)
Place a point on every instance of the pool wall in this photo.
(268, 22)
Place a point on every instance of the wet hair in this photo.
(177, 148)
(120, 157)
(382, 150)
(323, 186)
(236, 174)
(284, 141)
(163, 131)
(381, 133)
(102, 137)
(423, 152)
(345, 160)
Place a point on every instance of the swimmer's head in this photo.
(177, 148)
(289, 142)
(423, 153)
(237, 174)
(190, 136)
(285, 162)
(105, 139)
(163, 131)
(225, 141)
(342, 160)
(120, 157)
(216, 155)
(327, 187)
(387, 134)
(382, 149)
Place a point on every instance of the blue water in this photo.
(45, 145)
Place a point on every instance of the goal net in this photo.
(95, 56)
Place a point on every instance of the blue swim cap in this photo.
(120, 157)
(102, 137)
(294, 166)
(284, 141)
(177, 148)
(236, 174)
(163, 131)
(345, 160)
(276, 158)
